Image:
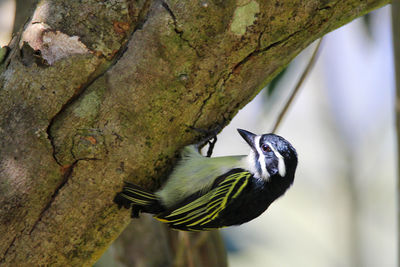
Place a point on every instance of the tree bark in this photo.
(97, 92)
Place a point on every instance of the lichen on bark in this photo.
(120, 103)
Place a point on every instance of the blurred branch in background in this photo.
(23, 9)
(396, 48)
(148, 243)
(298, 85)
(7, 10)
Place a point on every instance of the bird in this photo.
(206, 193)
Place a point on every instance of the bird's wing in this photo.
(196, 214)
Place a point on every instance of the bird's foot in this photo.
(209, 137)
(211, 144)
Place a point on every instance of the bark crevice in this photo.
(9, 246)
(67, 174)
(176, 28)
(97, 74)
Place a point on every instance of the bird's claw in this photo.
(209, 137)
(211, 144)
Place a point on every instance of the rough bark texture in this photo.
(97, 92)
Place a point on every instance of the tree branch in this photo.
(112, 89)
(296, 89)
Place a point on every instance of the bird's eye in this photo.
(266, 148)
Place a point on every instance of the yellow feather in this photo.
(216, 201)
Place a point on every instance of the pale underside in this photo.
(195, 172)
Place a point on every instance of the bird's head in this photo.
(270, 156)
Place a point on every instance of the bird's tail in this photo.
(139, 199)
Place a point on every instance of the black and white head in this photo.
(270, 156)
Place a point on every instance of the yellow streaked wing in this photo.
(206, 208)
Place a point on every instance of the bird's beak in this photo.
(248, 136)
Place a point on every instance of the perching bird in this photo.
(207, 193)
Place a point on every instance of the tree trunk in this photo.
(96, 92)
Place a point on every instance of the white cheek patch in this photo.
(281, 161)
(250, 162)
(261, 158)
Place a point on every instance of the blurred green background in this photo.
(341, 208)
